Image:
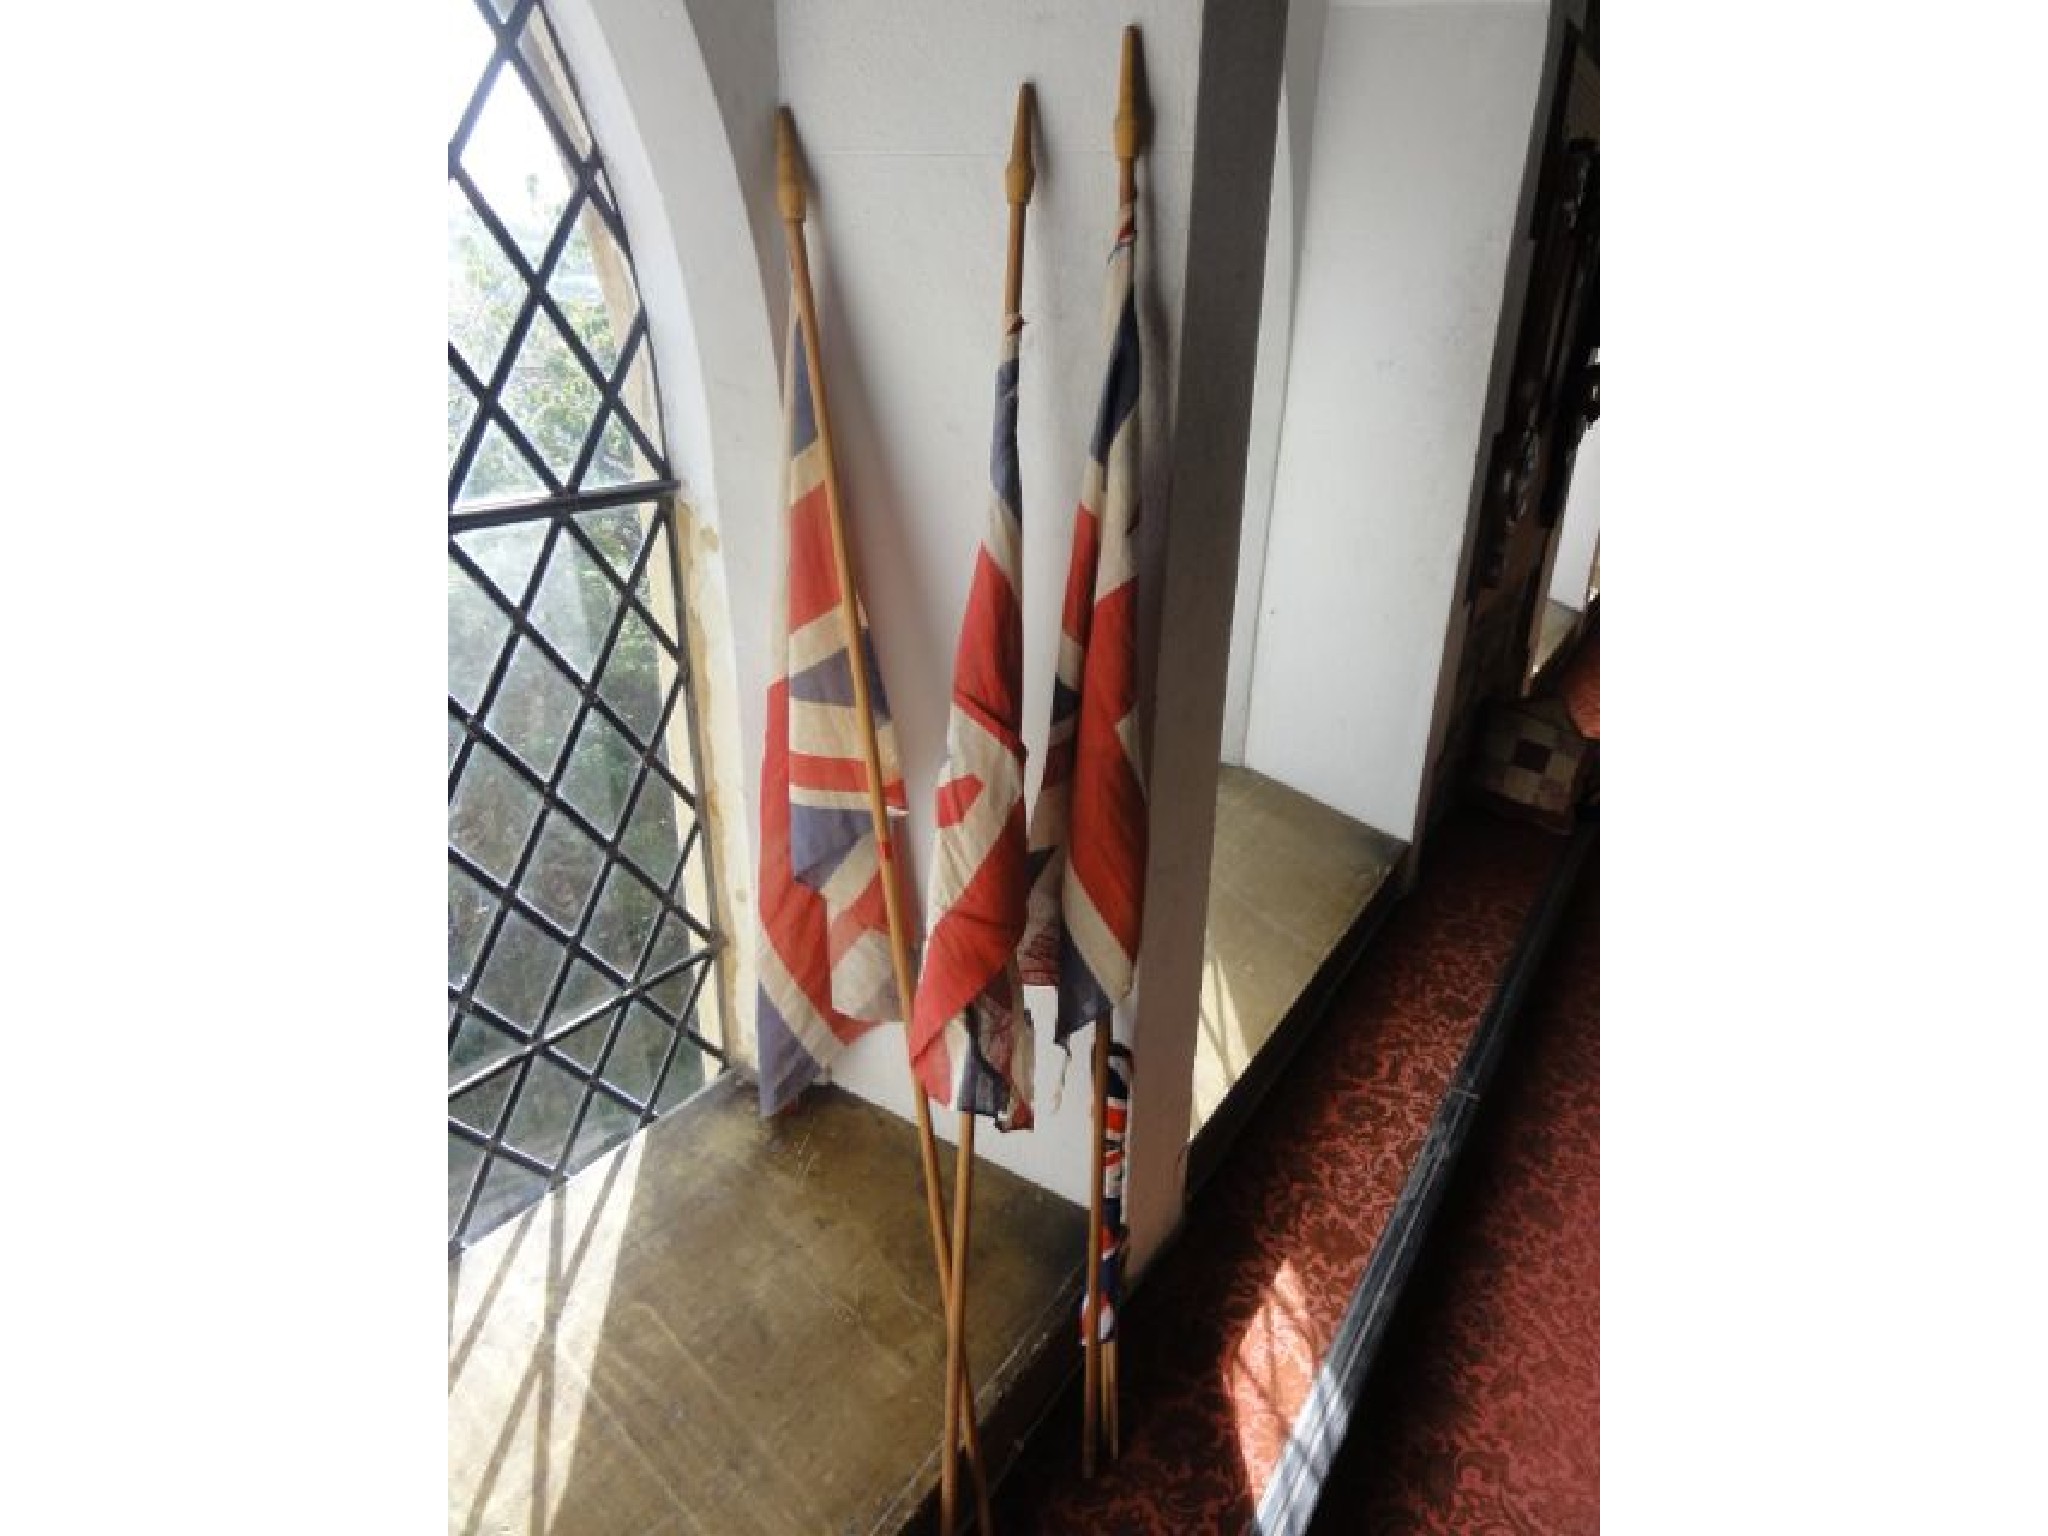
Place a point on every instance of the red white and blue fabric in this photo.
(1088, 829)
(1116, 1237)
(971, 1039)
(825, 966)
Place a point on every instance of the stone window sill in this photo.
(728, 1326)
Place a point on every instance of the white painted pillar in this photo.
(1236, 129)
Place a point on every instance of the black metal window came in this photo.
(581, 915)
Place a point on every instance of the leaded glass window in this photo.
(581, 930)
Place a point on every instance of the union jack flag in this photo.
(971, 1039)
(1087, 846)
(825, 966)
(1116, 1237)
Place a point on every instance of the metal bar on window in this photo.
(497, 514)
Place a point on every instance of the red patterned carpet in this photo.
(1484, 1414)
(1222, 1342)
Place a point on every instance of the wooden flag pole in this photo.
(1099, 1376)
(789, 192)
(1091, 1312)
(1109, 1395)
(1132, 128)
(1019, 177)
(956, 1323)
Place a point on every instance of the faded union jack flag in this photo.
(825, 967)
(972, 1039)
(1116, 1122)
(1087, 848)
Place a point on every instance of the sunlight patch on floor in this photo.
(526, 1306)
(1287, 880)
(1271, 1372)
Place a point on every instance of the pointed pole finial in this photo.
(1022, 173)
(789, 175)
(1130, 100)
(1131, 117)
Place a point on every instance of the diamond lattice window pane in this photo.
(652, 841)
(552, 396)
(676, 997)
(508, 1189)
(575, 605)
(637, 1057)
(690, 1070)
(467, 43)
(506, 555)
(589, 277)
(621, 458)
(676, 944)
(535, 709)
(625, 914)
(492, 812)
(564, 871)
(485, 290)
(600, 775)
(586, 988)
(548, 1101)
(520, 971)
(464, 1158)
(585, 1046)
(461, 412)
(632, 682)
(517, 167)
(478, 1044)
(480, 1107)
(499, 472)
(605, 1124)
(469, 918)
(477, 632)
(618, 533)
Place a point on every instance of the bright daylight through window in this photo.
(581, 919)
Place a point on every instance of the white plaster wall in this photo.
(1579, 533)
(1269, 400)
(1293, 154)
(1422, 121)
